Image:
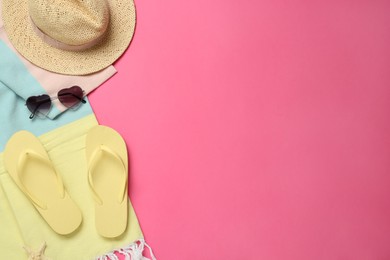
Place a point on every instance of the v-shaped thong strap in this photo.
(96, 155)
(29, 154)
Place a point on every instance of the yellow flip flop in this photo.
(29, 165)
(107, 177)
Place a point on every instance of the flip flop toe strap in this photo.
(28, 155)
(96, 155)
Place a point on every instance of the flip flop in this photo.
(107, 177)
(29, 165)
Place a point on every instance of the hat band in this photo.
(63, 46)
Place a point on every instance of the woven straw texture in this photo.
(19, 28)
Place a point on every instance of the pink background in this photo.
(257, 129)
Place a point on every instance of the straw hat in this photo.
(74, 37)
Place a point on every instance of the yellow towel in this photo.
(22, 226)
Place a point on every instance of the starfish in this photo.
(37, 255)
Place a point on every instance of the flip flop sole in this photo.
(37, 178)
(109, 180)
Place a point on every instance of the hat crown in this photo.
(72, 22)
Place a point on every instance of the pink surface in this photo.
(257, 129)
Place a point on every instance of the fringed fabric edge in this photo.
(134, 251)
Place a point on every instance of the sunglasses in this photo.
(40, 105)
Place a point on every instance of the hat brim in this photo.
(20, 32)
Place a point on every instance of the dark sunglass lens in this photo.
(71, 97)
(39, 105)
